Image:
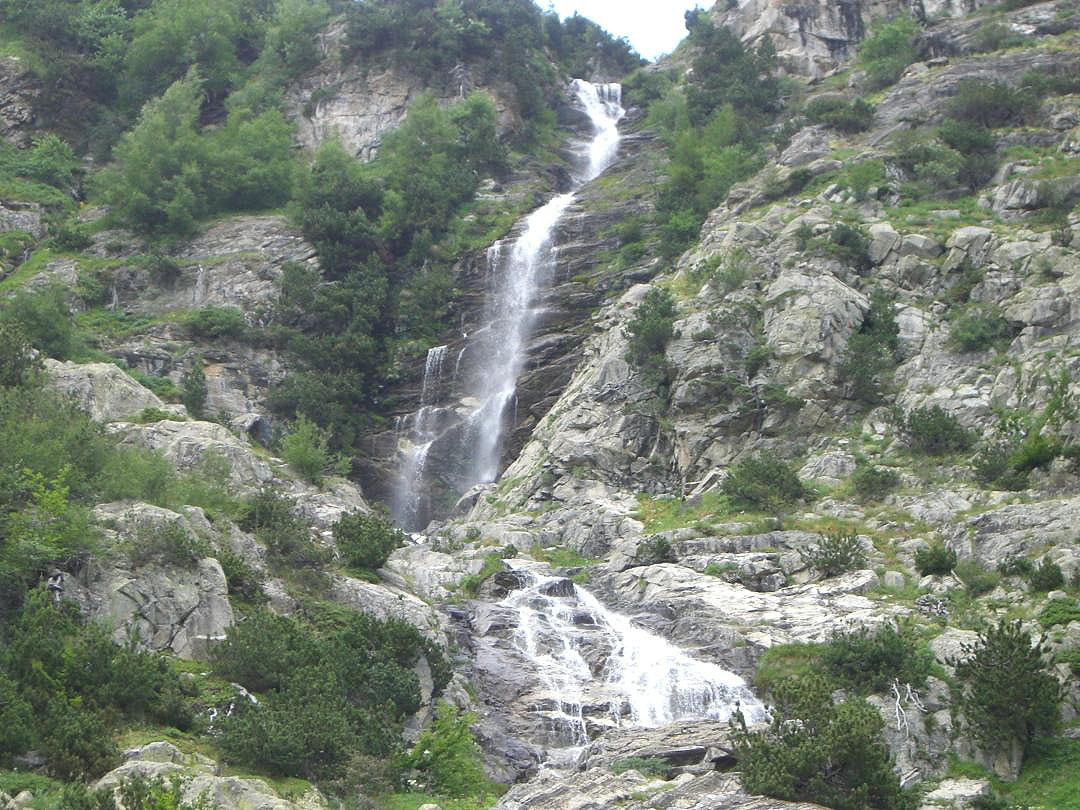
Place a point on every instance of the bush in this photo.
(872, 352)
(305, 449)
(836, 553)
(447, 756)
(977, 328)
(244, 581)
(847, 244)
(269, 515)
(765, 483)
(1006, 691)
(871, 483)
(18, 362)
(937, 560)
(366, 541)
(168, 544)
(866, 661)
(649, 332)
(1059, 611)
(652, 767)
(841, 114)
(193, 390)
(888, 49)
(976, 578)
(933, 431)
(990, 104)
(1046, 576)
(212, 323)
(1015, 566)
(818, 751)
(44, 318)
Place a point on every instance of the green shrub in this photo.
(18, 362)
(657, 550)
(193, 391)
(818, 751)
(649, 333)
(888, 50)
(212, 323)
(762, 482)
(1015, 566)
(847, 244)
(244, 581)
(366, 541)
(866, 661)
(133, 793)
(990, 104)
(841, 114)
(1006, 691)
(977, 579)
(933, 431)
(168, 544)
(1059, 611)
(977, 328)
(993, 36)
(836, 552)
(872, 351)
(305, 449)
(1046, 576)
(871, 483)
(269, 515)
(68, 238)
(44, 318)
(936, 560)
(447, 756)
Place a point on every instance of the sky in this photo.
(653, 27)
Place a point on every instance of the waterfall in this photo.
(518, 269)
(636, 678)
(518, 274)
(409, 492)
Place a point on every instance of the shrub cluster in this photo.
(1006, 690)
(64, 687)
(872, 352)
(841, 114)
(649, 332)
(937, 559)
(366, 541)
(331, 689)
(866, 661)
(976, 328)
(932, 431)
(870, 483)
(836, 552)
(819, 751)
(888, 49)
(763, 483)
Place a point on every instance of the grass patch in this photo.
(786, 661)
(664, 514)
(561, 557)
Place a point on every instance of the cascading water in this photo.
(635, 678)
(518, 276)
(494, 354)
(421, 437)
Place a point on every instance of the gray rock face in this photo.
(102, 389)
(25, 217)
(812, 38)
(1010, 530)
(179, 607)
(17, 96)
(198, 774)
(597, 789)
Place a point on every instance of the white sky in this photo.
(653, 27)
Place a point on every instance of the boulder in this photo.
(103, 390)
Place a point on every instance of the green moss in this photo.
(661, 515)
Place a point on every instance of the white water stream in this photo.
(518, 270)
(636, 678)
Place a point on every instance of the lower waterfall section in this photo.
(595, 670)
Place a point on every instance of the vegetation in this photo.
(763, 483)
(447, 756)
(870, 483)
(1007, 692)
(872, 352)
(836, 552)
(848, 116)
(888, 50)
(932, 431)
(366, 541)
(937, 559)
(818, 751)
(306, 449)
(340, 686)
(866, 661)
(649, 332)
